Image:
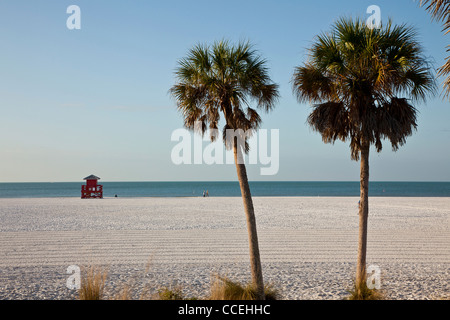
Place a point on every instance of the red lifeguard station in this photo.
(92, 189)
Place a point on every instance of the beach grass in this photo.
(226, 289)
(166, 293)
(363, 292)
(93, 279)
(93, 283)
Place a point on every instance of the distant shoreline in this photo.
(227, 189)
(224, 197)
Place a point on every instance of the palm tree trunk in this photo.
(255, 261)
(363, 217)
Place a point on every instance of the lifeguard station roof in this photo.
(92, 177)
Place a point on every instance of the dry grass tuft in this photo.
(170, 294)
(226, 289)
(93, 288)
(92, 283)
(364, 293)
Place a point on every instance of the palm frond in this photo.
(330, 119)
(440, 11)
(310, 84)
(396, 120)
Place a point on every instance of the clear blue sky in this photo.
(95, 101)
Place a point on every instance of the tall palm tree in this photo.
(440, 11)
(358, 80)
(223, 79)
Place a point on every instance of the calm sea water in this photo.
(227, 189)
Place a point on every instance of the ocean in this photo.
(228, 189)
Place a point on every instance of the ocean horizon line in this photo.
(231, 181)
(227, 188)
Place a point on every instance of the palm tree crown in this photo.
(223, 79)
(355, 77)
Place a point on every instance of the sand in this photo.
(308, 245)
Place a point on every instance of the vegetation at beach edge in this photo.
(223, 288)
(362, 292)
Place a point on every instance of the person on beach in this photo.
(204, 193)
(207, 193)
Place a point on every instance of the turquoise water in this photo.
(227, 189)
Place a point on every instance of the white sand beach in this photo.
(308, 245)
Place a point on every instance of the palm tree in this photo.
(440, 10)
(222, 80)
(357, 79)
